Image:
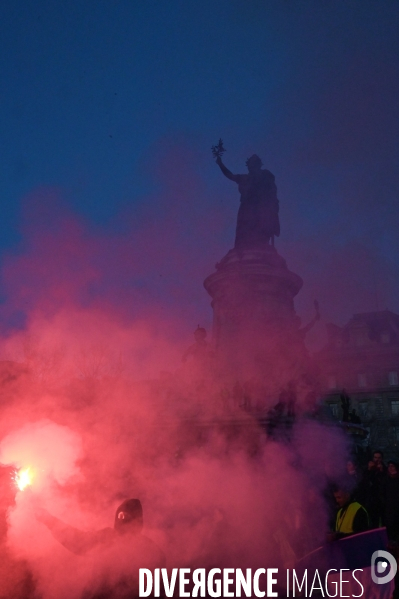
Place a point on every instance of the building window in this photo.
(332, 382)
(334, 409)
(395, 407)
(393, 378)
(385, 338)
(361, 380)
(396, 433)
(363, 409)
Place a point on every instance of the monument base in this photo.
(256, 331)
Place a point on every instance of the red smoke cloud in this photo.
(90, 414)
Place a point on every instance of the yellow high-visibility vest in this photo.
(346, 516)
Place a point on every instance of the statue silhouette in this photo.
(257, 220)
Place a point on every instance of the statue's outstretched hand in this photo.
(219, 160)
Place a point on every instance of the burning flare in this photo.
(23, 478)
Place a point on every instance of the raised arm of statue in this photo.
(226, 171)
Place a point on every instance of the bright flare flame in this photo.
(23, 478)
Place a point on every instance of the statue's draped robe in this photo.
(257, 220)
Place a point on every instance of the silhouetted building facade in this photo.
(362, 358)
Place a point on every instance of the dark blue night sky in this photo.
(109, 110)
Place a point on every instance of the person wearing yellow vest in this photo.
(352, 517)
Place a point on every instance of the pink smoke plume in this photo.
(88, 411)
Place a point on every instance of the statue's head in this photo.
(254, 163)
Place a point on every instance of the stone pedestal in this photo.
(255, 329)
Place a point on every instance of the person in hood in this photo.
(119, 552)
(128, 523)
